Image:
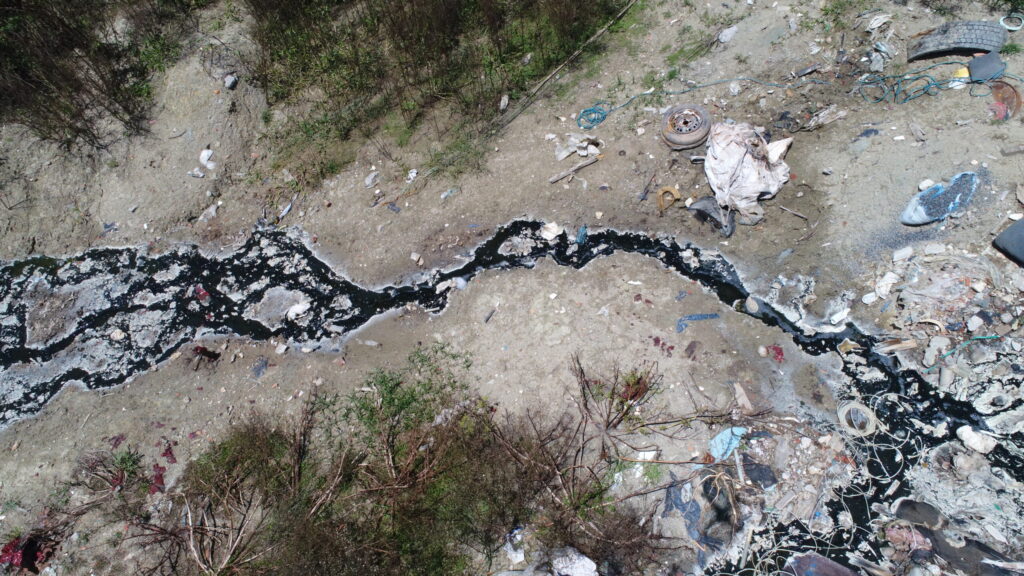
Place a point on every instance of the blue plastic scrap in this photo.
(684, 322)
(939, 201)
(259, 367)
(581, 234)
(722, 445)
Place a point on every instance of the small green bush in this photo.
(412, 475)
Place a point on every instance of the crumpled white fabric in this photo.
(742, 168)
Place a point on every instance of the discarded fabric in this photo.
(743, 168)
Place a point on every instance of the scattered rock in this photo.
(551, 231)
(976, 441)
(974, 322)
(884, 286)
(297, 310)
(281, 348)
(230, 81)
(725, 36)
(903, 253)
(117, 335)
(572, 563)
(751, 305)
(937, 345)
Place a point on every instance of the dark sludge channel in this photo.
(170, 300)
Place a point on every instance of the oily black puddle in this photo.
(101, 317)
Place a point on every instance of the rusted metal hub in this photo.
(685, 127)
(685, 121)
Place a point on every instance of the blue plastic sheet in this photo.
(722, 445)
(684, 322)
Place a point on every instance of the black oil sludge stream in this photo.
(101, 317)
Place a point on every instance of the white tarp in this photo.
(742, 168)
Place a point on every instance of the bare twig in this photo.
(793, 212)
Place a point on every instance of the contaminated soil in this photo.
(827, 237)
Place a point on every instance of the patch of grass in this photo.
(461, 155)
(692, 44)
(1010, 48)
(389, 63)
(1006, 5)
(838, 14)
(156, 53)
(128, 462)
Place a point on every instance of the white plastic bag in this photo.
(742, 168)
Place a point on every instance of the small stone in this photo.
(946, 377)
(725, 36)
(884, 286)
(550, 231)
(933, 249)
(869, 298)
(751, 305)
(415, 257)
(975, 441)
(762, 351)
(1006, 317)
(979, 286)
(925, 184)
(186, 399)
(974, 322)
(230, 81)
(117, 335)
(281, 348)
(503, 105)
(902, 254)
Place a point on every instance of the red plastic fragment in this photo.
(157, 484)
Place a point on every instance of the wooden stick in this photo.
(793, 212)
(573, 170)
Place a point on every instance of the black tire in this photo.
(954, 37)
(685, 127)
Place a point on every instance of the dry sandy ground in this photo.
(850, 191)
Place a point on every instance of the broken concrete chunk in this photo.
(903, 253)
(551, 231)
(976, 441)
(572, 563)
